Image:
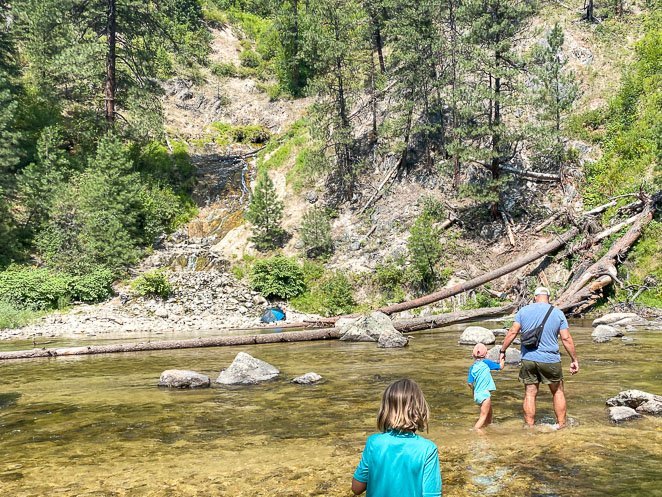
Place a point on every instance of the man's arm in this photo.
(569, 346)
(510, 336)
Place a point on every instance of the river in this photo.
(99, 426)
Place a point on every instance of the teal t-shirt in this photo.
(480, 377)
(399, 464)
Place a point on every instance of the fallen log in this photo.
(533, 175)
(588, 288)
(403, 325)
(431, 298)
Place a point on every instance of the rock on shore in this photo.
(247, 370)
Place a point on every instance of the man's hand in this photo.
(574, 367)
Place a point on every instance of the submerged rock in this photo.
(476, 334)
(182, 378)
(645, 402)
(604, 333)
(366, 328)
(307, 379)
(618, 414)
(392, 339)
(247, 370)
(513, 355)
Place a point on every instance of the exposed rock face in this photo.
(619, 414)
(513, 356)
(307, 379)
(392, 339)
(367, 328)
(182, 378)
(642, 402)
(247, 370)
(476, 334)
(604, 333)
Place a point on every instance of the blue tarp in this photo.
(272, 315)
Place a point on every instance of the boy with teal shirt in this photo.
(481, 381)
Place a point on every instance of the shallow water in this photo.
(99, 426)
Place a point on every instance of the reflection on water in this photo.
(99, 426)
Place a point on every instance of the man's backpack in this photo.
(531, 338)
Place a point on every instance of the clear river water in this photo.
(99, 425)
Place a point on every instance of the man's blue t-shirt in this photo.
(480, 377)
(531, 316)
(400, 464)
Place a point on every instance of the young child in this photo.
(397, 462)
(480, 380)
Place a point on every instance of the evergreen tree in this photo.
(554, 91)
(265, 213)
(316, 233)
(425, 251)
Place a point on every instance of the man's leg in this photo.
(558, 398)
(485, 409)
(530, 393)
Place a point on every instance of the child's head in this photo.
(403, 408)
(480, 351)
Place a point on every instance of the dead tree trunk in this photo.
(588, 288)
(429, 322)
(484, 278)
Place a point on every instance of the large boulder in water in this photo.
(366, 328)
(392, 339)
(642, 402)
(604, 333)
(513, 355)
(618, 414)
(476, 334)
(247, 370)
(182, 378)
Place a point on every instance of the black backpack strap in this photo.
(549, 311)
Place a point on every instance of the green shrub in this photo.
(328, 295)
(92, 287)
(425, 252)
(279, 277)
(13, 317)
(316, 233)
(250, 58)
(253, 134)
(390, 276)
(480, 300)
(153, 284)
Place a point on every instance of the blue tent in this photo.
(272, 315)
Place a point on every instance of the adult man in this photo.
(543, 364)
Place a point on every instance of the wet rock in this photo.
(619, 414)
(247, 370)
(182, 378)
(513, 355)
(392, 339)
(476, 334)
(653, 407)
(614, 317)
(604, 333)
(634, 399)
(366, 328)
(307, 379)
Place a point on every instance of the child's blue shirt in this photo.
(480, 376)
(400, 464)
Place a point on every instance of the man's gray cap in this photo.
(541, 290)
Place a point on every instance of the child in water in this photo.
(480, 380)
(397, 462)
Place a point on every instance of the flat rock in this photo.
(307, 379)
(513, 355)
(653, 407)
(182, 378)
(476, 334)
(247, 370)
(633, 398)
(392, 339)
(367, 328)
(605, 332)
(619, 414)
(614, 317)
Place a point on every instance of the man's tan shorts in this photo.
(540, 372)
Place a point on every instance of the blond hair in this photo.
(403, 408)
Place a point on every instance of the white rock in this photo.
(476, 334)
(392, 339)
(513, 355)
(247, 370)
(613, 318)
(619, 414)
(307, 379)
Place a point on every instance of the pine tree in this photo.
(554, 91)
(316, 233)
(425, 251)
(265, 213)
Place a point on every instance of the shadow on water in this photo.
(100, 426)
